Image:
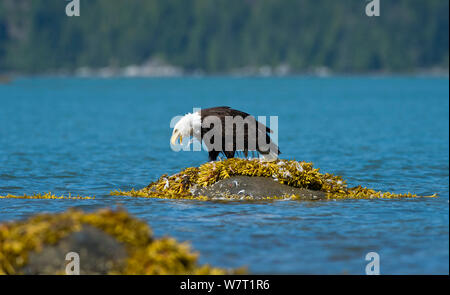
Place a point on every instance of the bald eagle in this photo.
(227, 131)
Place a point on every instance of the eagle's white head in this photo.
(189, 125)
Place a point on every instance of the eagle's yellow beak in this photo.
(175, 135)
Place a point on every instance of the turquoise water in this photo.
(90, 136)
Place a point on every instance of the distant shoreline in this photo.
(106, 73)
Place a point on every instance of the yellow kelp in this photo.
(288, 172)
(48, 195)
(145, 255)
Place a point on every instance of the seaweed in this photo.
(48, 196)
(288, 172)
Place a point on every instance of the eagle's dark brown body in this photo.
(227, 148)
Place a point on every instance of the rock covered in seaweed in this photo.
(108, 242)
(203, 183)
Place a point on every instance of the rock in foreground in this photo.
(106, 241)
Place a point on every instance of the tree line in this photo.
(217, 36)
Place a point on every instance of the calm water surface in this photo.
(90, 136)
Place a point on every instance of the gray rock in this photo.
(256, 187)
(99, 253)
